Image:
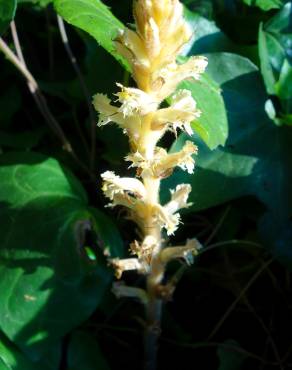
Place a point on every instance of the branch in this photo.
(19, 62)
(84, 88)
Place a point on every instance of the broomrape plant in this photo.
(151, 51)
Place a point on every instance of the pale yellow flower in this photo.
(179, 198)
(166, 219)
(113, 184)
(151, 51)
(135, 101)
(127, 264)
(186, 252)
(180, 114)
(163, 163)
(172, 74)
(183, 159)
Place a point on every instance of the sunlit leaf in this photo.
(48, 285)
(93, 17)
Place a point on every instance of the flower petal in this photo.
(135, 101)
(179, 198)
(114, 184)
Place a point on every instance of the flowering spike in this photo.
(152, 50)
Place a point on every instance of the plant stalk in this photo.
(154, 279)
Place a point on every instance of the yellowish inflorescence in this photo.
(151, 51)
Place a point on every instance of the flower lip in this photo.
(114, 184)
(135, 101)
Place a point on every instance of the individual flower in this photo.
(179, 198)
(183, 159)
(162, 164)
(127, 264)
(166, 219)
(135, 101)
(145, 249)
(107, 112)
(185, 252)
(182, 111)
(113, 185)
(172, 74)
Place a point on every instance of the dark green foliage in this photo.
(7, 12)
(276, 63)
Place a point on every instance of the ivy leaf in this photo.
(12, 358)
(48, 285)
(276, 62)
(207, 37)
(7, 13)
(96, 19)
(257, 157)
(212, 125)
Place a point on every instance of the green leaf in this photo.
(212, 125)
(11, 358)
(95, 18)
(265, 4)
(275, 56)
(207, 37)
(7, 13)
(257, 157)
(84, 353)
(48, 285)
(228, 357)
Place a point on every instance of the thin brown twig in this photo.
(19, 62)
(268, 333)
(223, 345)
(219, 224)
(230, 242)
(84, 88)
(239, 297)
(14, 60)
(180, 272)
(252, 310)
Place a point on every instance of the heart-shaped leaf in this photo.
(212, 125)
(48, 284)
(276, 63)
(12, 358)
(257, 158)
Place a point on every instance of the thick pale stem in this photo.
(154, 302)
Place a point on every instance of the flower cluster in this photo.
(151, 51)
